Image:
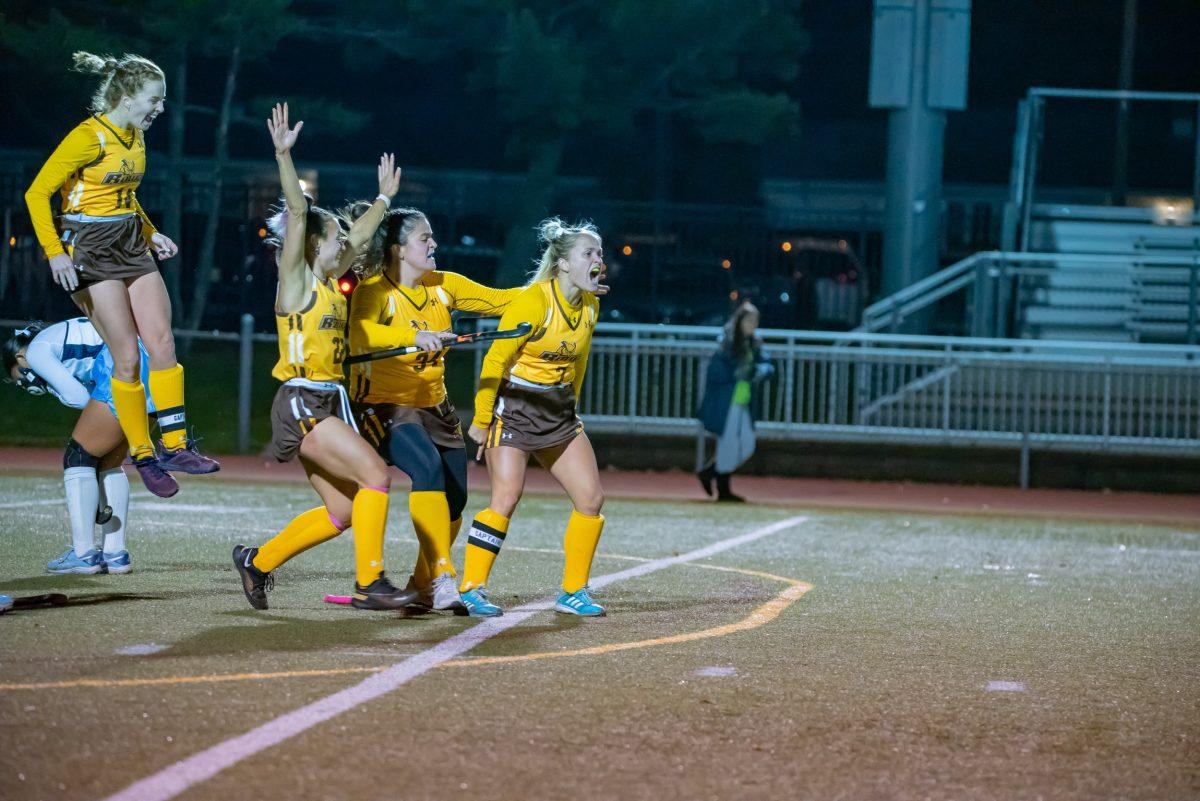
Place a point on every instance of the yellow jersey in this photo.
(312, 342)
(555, 352)
(96, 170)
(384, 315)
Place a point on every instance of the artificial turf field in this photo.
(841, 655)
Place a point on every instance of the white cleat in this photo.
(445, 593)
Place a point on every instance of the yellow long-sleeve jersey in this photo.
(312, 341)
(384, 314)
(555, 352)
(96, 169)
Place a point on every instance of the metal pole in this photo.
(1193, 280)
(1128, 40)
(1023, 377)
(245, 371)
(5, 251)
(1036, 126)
(1196, 166)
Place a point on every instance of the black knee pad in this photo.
(76, 456)
(413, 452)
(454, 471)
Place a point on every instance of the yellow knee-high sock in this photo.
(423, 570)
(483, 543)
(166, 387)
(130, 400)
(579, 544)
(431, 520)
(306, 530)
(368, 516)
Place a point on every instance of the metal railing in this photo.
(861, 387)
(877, 388)
(1155, 295)
(1029, 143)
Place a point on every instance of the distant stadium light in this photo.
(1171, 210)
(733, 295)
(627, 250)
(726, 263)
(786, 247)
(12, 241)
(345, 286)
(262, 233)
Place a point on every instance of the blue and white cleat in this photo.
(117, 562)
(6, 603)
(578, 603)
(90, 562)
(478, 605)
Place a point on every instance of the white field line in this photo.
(156, 506)
(175, 779)
(43, 502)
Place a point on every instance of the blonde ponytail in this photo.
(123, 77)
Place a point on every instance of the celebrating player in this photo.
(401, 402)
(525, 404)
(102, 256)
(71, 362)
(311, 416)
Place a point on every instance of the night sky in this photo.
(423, 112)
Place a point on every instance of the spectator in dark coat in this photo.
(732, 387)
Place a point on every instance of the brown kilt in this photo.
(296, 411)
(440, 422)
(104, 251)
(530, 419)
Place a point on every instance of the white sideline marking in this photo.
(144, 649)
(175, 779)
(46, 502)
(152, 507)
(716, 671)
(1005, 687)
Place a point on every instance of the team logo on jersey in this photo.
(564, 353)
(125, 175)
(331, 322)
(420, 325)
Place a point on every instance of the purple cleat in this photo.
(156, 479)
(187, 460)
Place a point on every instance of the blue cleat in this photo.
(6, 603)
(90, 562)
(117, 562)
(578, 603)
(478, 605)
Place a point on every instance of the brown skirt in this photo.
(105, 251)
(440, 422)
(295, 412)
(530, 419)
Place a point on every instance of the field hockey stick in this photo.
(33, 601)
(462, 339)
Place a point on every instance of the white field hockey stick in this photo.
(462, 339)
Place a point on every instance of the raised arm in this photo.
(467, 295)
(364, 228)
(292, 269)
